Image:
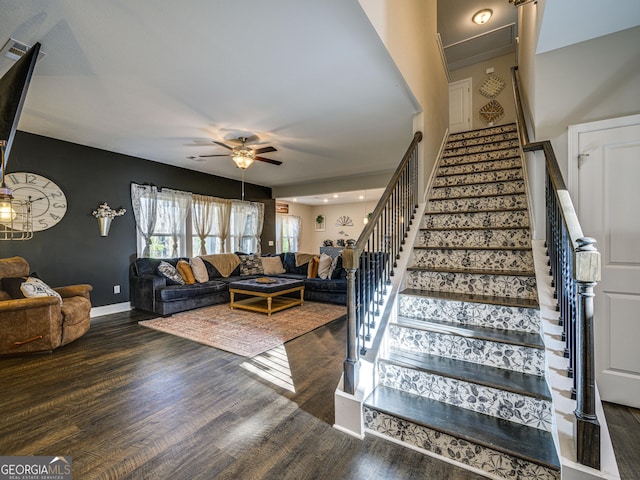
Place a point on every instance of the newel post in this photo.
(587, 427)
(352, 363)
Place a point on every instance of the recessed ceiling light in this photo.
(325, 200)
(361, 197)
(482, 16)
(335, 195)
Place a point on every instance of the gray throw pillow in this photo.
(170, 272)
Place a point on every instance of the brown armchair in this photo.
(40, 323)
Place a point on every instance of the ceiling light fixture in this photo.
(482, 16)
(243, 157)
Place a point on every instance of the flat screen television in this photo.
(13, 91)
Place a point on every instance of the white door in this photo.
(460, 106)
(607, 193)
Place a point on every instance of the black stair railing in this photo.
(575, 269)
(370, 261)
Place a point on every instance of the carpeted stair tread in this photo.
(470, 197)
(499, 378)
(492, 210)
(474, 271)
(500, 146)
(511, 337)
(528, 443)
(486, 131)
(473, 298)
(465, 159)
(472, 181)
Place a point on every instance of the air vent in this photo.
(14, 50)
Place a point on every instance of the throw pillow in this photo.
(184, 269)
(312, 271)
(250, 265)
(170, 272)
(336, 268)
(34, 287)
(12, 285)
(324, 265)
(199, 270)
(272, 265)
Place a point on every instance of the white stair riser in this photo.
(513, 286)
(512, 260)
(503, 202)
(496, 188)
(481, 314)
(517, 358)
(516, 237)
(522, 409)
(481, 177)
(455, 449)
(476, 220)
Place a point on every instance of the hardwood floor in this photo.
(128, 402)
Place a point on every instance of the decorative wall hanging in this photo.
(319, 227)
(344, 221)
(105, 215)
(492, 86)
(491, 112)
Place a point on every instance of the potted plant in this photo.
(320, 219)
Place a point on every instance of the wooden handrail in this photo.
(370, 260)
(575, 269)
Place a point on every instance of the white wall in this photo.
(477, 72)
(311, 240)
(408, 28)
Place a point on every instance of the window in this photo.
(288, 229)
(171, 223)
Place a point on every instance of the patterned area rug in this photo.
(246, 333)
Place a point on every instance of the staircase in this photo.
(462, 375)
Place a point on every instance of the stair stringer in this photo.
(349, 412)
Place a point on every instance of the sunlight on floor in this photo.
(273, 366)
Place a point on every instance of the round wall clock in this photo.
(48, 202)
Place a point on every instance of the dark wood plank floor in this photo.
(127, 402)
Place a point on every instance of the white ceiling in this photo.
(160, 80)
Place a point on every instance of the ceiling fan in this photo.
(242, 155)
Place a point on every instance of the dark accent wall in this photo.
(73, 251)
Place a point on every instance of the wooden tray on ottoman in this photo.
(266, 297)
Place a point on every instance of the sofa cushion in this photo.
(170, 272)
(324, 265)
(181, 292)
(318, 285)
(185, 271)
(251, 265)
(272, 265)
(12, 285)
(337, 271)
(199, 270)
(289, 263)
(312, 269)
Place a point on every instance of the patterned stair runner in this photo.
(464, 374)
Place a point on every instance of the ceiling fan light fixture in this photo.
(243, 157)
(482, 16)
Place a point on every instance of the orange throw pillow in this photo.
(314, 264)
(185, 271)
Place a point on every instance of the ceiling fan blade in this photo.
(223, 145)
(220, 155)
(268, 160)
(265, 150)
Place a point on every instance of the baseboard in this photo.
(109, 309)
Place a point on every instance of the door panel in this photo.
(460, 106)
(608, 207)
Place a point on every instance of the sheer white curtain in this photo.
(223, 223)
(288, 232)
(245, 226)
(178, 206)
(204, 216)
(145, 203)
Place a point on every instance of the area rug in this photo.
(246, 333)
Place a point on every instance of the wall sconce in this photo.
(105, 215)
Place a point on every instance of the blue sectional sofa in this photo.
(151, 291)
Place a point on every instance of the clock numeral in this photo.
(30, 178)
(43, 223)
(59, 205)
(55, 217)
(56, 194)
(13, 177)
